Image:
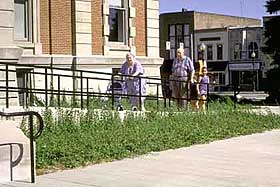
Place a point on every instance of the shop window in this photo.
(209, 52)
(237, 51)
(219, 52)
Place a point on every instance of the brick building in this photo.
(93, 34)
(101, 30)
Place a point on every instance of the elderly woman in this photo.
(182, 72)
(132, 69)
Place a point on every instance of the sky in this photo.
(244, 8)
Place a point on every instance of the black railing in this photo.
(43, 75)
(32, 137)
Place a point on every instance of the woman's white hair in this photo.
(130, 54)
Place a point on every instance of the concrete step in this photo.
(10, 133)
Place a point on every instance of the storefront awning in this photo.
(249, 66)
(217, 66)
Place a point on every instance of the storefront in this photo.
(245, 74)
(217, 72)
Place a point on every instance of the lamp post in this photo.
(253, 55)
(201, 50)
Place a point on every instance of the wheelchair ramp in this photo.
(14, 153)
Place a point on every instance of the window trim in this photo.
(176, 36)
(28, 22)
(125, 9)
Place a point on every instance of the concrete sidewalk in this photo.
(248, 161)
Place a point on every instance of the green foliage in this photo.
(273, 6)
(272, 83)
(71, 138)
(272, 29)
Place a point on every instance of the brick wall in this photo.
(140, 24)
(44, 26)
(97, 27)
(61, 26)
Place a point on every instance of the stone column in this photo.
(132, 26)
(153, 28)
(9, 53)
(83, 27)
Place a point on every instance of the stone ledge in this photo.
(10, 53)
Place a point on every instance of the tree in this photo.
(272, 48)
(272, 30)
(272, 85)
(272, 6)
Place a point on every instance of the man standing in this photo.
(182, 73)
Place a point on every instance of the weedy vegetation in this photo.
(79, 138)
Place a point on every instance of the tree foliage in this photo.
(272, 6)
(272, 30)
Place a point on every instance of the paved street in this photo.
(248, 161)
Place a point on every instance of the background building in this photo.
(222, 37)
(246, 59)
(179, 27)
(215, 53)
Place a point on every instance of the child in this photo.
(203, 89)
(194, 96)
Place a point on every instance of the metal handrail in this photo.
(83, 78)
(27, 113)
(67, 69)
(32, 137)
(17, 161)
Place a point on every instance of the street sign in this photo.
(181, 45)
(167, 45)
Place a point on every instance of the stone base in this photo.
(10, 133)
(9, 55)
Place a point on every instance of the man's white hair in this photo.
(181, 50)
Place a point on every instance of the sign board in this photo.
(167, 45)
(244, 66)
(181, 45)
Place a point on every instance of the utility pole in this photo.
(241, 7)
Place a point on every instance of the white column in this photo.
(83, 28)
(9, 53)
(36, 27)
(132, 28)
(106, 27)
(6, 22)
(153, 28)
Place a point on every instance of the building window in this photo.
(22, 29)
(117, 21)
(237, 51)
(179, 36)
(209, 52)
(219, 52)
